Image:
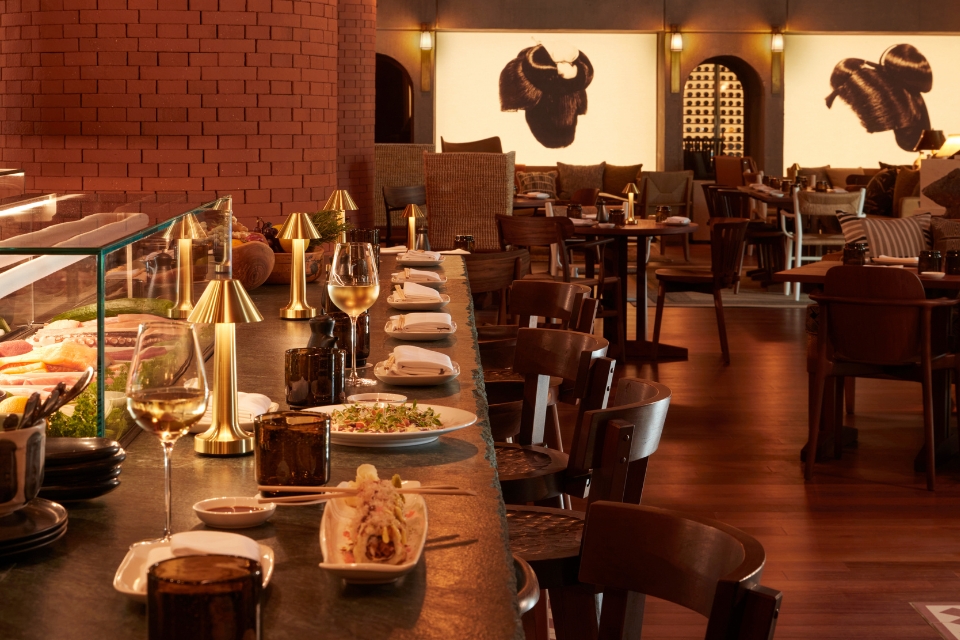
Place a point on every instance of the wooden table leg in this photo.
(642, 348)
(947, 443)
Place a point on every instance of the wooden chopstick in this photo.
(345, 490)
(320, 498)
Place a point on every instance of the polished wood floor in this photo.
(851, 550)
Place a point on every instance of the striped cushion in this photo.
(543, 182)
(852, 226)
(898, 237)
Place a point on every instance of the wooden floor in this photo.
(849, 550)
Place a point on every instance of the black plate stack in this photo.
(81, 468)
(36, 525)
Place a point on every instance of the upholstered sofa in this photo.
(607, 178)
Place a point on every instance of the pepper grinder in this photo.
(321, 332)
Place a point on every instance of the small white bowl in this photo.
(935, 275)
(226, 520)
(606, 225)
(376, 398)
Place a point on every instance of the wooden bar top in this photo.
(464, 587)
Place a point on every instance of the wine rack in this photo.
(713, 107)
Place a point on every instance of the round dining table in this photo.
(642, 232)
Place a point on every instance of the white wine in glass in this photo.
(167, 389)
(353, 286)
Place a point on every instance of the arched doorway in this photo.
(394, 118)
(722, 108)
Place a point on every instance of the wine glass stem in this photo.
(353, 344)
(167, 499)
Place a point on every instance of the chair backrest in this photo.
(812, 203)
(673, 188)
(727, 236)
(545, 353)
(397, 165)
(730, 203)
(465, 191)
(586, 197)
(859, 331)
(397, 198)
(587, 316)
(487, 145)
(496, 272)
(701, 564)
(730, 170)
(558, 303)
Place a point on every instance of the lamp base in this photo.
(179, 313)
(223, 441)
(297, 313)
(224, 437)
(631, 222)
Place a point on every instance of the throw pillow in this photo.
(574, 177)
(838, 177)
(898, 238)
(908, 182)
(879, 200)
(852, 226)
(946, 193)
(616, 177)
(946, 234)
(545, 182)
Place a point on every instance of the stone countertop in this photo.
(463, 588)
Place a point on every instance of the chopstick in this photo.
(316, 495)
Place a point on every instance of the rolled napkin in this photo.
(400, 248)
(909, 262)
(414, 361)
(433, 256)
(416, 275)
(677, 221)
(413, 292)
(454, 252)
(422, 322)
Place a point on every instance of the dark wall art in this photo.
(550, 86)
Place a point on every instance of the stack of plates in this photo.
(36, 525)
(81, 468)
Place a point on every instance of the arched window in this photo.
(394, 118)
(715, 108)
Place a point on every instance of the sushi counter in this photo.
(464, 585)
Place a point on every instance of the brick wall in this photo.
(208, 97)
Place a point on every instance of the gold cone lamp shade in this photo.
(184, 231)
(631, 191)
(299, 230)
(411, 213)
(223, 304)
(341, 202)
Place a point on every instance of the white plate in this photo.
(130, 579)
(233, 520)
(418, 336)
(451, 419)
(418, 306)
(933, 275)
(436, 284)
(413, 262)
(383, 375)
(244, 418)
(336, 518)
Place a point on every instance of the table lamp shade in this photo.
(298, 227)
(225, 301)
(413, 211)
(930, 140)
(186, 228)
(631, 188)
(340, 200)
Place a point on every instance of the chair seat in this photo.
(695, 276)
(529, 473)
(549, 540)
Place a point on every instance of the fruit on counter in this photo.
(13, 404)
(152, 306)
(252, 264)
(63, 356)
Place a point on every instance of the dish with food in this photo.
(384, 373)
(403, 427)
(378, 535)
(233, 513)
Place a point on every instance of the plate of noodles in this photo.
(403, 425)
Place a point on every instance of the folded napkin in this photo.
(421, 255)
(416, 275)
(414, 361)
(400, 248)
(677, 221)
(537, 194)
(201, 543)
(249, 406)
(454, 252)
(422, 322)
(910, 262)
(413, 292)
(581, 222)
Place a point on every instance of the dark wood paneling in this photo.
(854, 15)
(725, 15)
(405, 14)
(635, 15)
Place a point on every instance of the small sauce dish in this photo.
(376, 398)
(935, 275)
(233, 513)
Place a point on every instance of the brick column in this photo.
(209, 97)
(356, 103)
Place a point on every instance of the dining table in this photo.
(525, 202)
(811, 278)
(641, 233)
(463, 587)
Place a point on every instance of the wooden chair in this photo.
(495, 272)
(726, 251)
(731, 169)
(585, 197)
(608, 461)
(878, 323)
(543, 232)
(670, 188)
(630, 551)
(487, 145)
(764, 236)
(397, 199)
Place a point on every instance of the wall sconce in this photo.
(426, 46)
(776, 61)
(676, 48)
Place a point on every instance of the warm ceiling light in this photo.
(776, 42)
(426, 38)
(676, 39)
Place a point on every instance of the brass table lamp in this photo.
(184, 231)
(224, 303)
(411, 213)
(341, 202)
(299, 230)
(631, 190)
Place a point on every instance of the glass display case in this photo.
(79, 273)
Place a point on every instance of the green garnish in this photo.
(360, 418)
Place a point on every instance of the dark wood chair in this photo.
(397, 199)
(542, 232)
(878, 323)
(630, 551)
(585, 197)
(607, 461)
(726, 252)
(495, 272)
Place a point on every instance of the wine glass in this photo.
(167, 388)
(354, 286)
